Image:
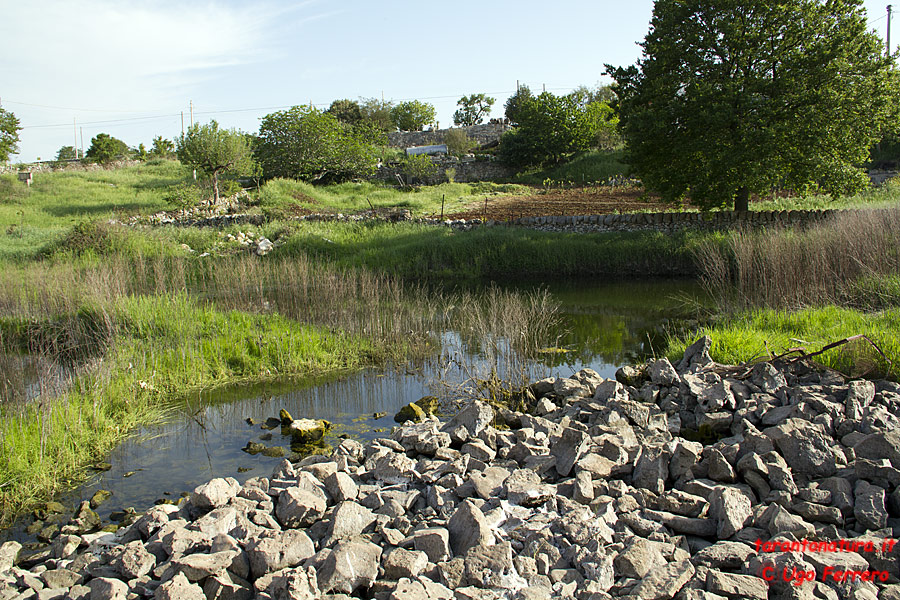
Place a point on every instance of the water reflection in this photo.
(605, 326)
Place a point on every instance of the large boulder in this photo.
(350, 565)
(806, 447)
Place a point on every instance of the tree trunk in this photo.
(216, 186)
(742, 200)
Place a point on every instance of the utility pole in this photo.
(81, 131)
(192, 113)
(74, 137)
(889, 30)
(182, 124)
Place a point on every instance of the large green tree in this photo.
(550, 128)
(105, 148)
(377, 113)
(346, 111)
(733, 97)
(472, 109)
(305, 143)
(9, 134)
(412, 115)
(216, 151)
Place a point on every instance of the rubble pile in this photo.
(690, 481)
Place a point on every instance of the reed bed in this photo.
(837, 262)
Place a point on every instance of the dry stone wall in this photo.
(466, 170)
(670, 221)
(483, 134)
(51, 166)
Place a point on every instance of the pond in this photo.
(604, 326)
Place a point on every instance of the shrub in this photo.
(458, 142)
(183, 197)
(418, 167)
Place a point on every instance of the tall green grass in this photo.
(416, 252)
(160, 347)
(836, 262)
(759, 334)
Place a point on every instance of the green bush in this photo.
(418, 168)
(11, 188)
(184, 196)
(86, 236)
(458, 142)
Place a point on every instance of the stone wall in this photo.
(483, 134)
(671, 221)
(467, 168)
(74, 165)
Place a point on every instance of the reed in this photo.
(835, 262)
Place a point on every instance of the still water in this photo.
(604, 326)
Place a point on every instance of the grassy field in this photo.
(55, 202)
(281, 197)
(414, 252)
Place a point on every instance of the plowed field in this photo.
(588, 201)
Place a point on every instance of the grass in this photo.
(875, 197)
(841, 261)
(596, 166)
(754, 334)
(160, 348)
(415, 252)
(30, 217)
(280, 196)
(785, 288)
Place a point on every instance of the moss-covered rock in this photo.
(274, 452)
(99, 497)
(410, 412)
(253, 448)
(429, 404)
(286, 418)
(307, 431)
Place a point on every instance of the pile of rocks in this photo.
(599, 493)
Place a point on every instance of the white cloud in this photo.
(101, 54)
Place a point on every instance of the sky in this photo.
(70, 69)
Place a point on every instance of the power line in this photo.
(105, 122)
(221, 111)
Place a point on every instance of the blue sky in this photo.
(130, 68)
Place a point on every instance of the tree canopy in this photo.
(216, 151)
(412, 115)
(162, 148)
(472, 109)
(105, 148)
(550, 128)
(346, 111)
(305, 143)
(67, 153)
(377, 113)
(732, 98)
(9, 134)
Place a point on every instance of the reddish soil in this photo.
(588, 201)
